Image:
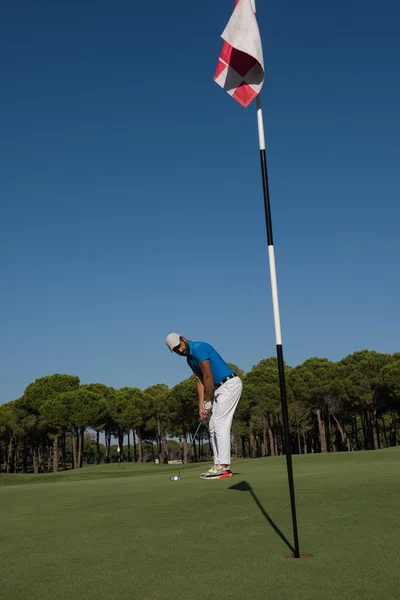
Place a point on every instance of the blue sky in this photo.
(130, 189)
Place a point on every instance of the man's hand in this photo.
(203, 413)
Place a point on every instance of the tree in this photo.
(131, 417)
(35, 395)
(156, 400)
(82, 407)
(314, 384)
(55, 412)
(361, 376)
(260, 408)
(390, 386)
(104, 421)
(183, 402)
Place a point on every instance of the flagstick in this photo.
(277, 322)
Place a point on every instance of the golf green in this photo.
(129, 532)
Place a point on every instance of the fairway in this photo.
(129, 532)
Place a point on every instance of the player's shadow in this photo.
(243, 486)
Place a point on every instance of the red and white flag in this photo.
(240, 69)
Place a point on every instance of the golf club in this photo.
(178, 478)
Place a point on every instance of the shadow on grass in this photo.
(243, 486)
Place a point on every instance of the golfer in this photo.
(212, 375)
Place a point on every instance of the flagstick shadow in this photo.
(243, 486)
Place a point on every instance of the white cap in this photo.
(173, 340)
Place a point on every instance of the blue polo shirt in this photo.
(201, 351)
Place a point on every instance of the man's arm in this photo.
(200, 393)
(208, 380)
(200, 390)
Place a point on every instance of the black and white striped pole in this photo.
(277, 322)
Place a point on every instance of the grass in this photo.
(129, 532)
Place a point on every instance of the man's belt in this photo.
(225, 380)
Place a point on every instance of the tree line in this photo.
(349, 405)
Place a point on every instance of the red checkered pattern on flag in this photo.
(240, 69)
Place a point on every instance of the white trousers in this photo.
(225, 401)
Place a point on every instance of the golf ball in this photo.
(175, 478)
